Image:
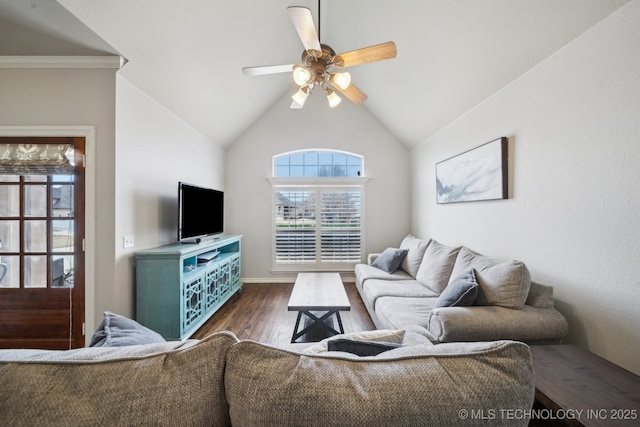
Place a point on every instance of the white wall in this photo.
(67, 98)
(573, 215)
(154, 151)
(348, 128)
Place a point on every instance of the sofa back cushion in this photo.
(437, 265)
(415, 251)
(540, 296)
(266, 386)
(502, 283)
(183, 386)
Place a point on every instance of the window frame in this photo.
(305, 152)
(317, 185)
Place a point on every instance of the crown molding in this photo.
(62, 62)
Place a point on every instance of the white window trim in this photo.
(327, 183)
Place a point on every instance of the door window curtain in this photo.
(36, 159)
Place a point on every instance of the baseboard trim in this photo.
(346, 278)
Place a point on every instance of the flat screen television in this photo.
(200, 212)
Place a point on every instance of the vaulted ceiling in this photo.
(188, 56)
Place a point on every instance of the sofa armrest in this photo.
(372, 257)
(488, 323)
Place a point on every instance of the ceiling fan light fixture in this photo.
(333, 98)
(301, 75)
(300, 97)
(342, 80)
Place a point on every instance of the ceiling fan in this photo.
(320, 66)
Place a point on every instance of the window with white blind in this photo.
(317, 220)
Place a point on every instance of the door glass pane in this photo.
(36, 178)
(35, 236)
(62, 201)
(35, 200)
(62, 235)
(9, 271)
(62, 271)
(10, 196)
(9, 236)
(35, 271)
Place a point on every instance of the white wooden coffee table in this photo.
(318, 292)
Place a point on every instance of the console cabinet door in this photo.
(192, 302)
(212, 291)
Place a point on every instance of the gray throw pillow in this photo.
(390, 259)
(361, 348)
(461, 292)
(116, 331)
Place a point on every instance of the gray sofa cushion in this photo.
(461, 292)
(540, 295)
(416, 248)
(267, 386)
(116, 330)
(404, 312)
(502, 283)
(486, 323)
(175, 387)
(390, 259)
(376, 288)
(436, 266)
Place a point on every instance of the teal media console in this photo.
(180, 286)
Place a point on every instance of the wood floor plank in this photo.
(259, 313)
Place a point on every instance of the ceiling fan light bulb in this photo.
(342, 80)
(301, 75)
(300, 97)
(333, 98)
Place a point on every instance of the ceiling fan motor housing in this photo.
(318, 63)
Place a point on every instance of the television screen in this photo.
(200, 212)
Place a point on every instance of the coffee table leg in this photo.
(316, 322)
(295, 335)
(339, 322)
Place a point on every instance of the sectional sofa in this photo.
(220, 381)
(449, 294)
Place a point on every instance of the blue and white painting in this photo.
(477, 174)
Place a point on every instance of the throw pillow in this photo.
(437, 265)
(390, 259)
(503, 283)
(361, 348)
(461, 292)
(378, 335)
(116, 330)
(416, 248)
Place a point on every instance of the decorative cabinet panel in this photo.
(176, 294)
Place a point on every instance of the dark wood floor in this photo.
(260, 313)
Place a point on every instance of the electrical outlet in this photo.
(127, 241)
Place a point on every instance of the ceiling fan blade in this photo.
(303, 21)
(378, 52)
(268, 69)
(352, 93)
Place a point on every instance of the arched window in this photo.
(318, 200)
(317, 163)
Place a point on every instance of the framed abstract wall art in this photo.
(477, 174)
